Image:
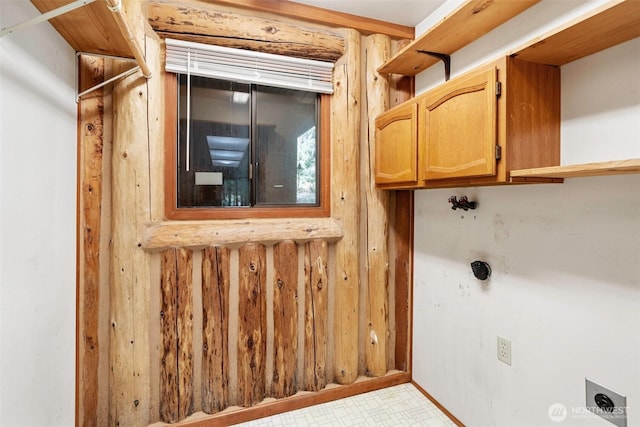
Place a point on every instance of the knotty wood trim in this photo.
(375, 212)
(169, 375)
(285, 319)
(215, 328)
(438, 404)
(324, 16)
(90, 163)
(198, 234)
(403, 260)
(184, 323)
(345, 137)
(170, 183)
(316, 317)
(299, 401)
(207, 23)
(176, 324)
(252, 325)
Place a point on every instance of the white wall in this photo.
(37, 223)
(565, 287)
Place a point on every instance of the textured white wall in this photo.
(37, 223)
(565, 287)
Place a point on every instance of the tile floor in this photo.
(397, 406)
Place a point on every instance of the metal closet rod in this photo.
(106, 82)
(45, 16)
(115, 6)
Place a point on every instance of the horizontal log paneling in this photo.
(199, 234)
(206, 23)
(215, 329)
(323, 16)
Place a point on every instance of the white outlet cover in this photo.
(618, 415)
(504, 350)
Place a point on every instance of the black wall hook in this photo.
(481, 270)
(463, 203)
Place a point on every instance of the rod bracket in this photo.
(444, 58)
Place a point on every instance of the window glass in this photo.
(246, 145)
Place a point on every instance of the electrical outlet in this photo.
(504, 350)
(606, 403)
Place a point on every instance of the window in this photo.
(238, 149)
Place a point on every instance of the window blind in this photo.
(246, 66)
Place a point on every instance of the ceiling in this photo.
(403, 12)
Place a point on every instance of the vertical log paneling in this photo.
(215, 329)
(169, 390)
(129, 347)
(184, 322)
(402, 89)
(91, 112)
(403, 274)
(285, 319)
(345, 139)
(375, 214)
(252, 325)
(316, 315)
(176, 325)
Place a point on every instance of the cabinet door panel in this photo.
(458, 137)
(396, 146)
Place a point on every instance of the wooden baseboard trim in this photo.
(438, 404)
(301, 400)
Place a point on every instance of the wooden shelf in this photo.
(467, 23)
(94, 28)
(617, 167)
(613, 23)
(91, 28)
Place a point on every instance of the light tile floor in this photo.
(397, 406)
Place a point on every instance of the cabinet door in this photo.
(458, 128)
(396, 159)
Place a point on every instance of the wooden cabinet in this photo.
(457, 136)
(474, 129)
(396, 161)
(528, 110)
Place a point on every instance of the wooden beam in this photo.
(403, 260)
(130, 270)
(169, 394)
(206, 23)
(345, 204)
(316, 255)
(193, 234)
(285, 319)
(184, 325)
(215, 329)
(375, 214)
(252, 324)
(91, 134)
(323, 16)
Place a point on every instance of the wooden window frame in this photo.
(173, 212)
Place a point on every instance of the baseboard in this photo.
(438, 404)
(300, 400)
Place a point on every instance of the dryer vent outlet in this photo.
(606, 403)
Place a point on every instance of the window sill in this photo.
(198, 234)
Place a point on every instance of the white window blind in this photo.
(246, 66)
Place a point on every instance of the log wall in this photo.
(209, 315)
(249, 333)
